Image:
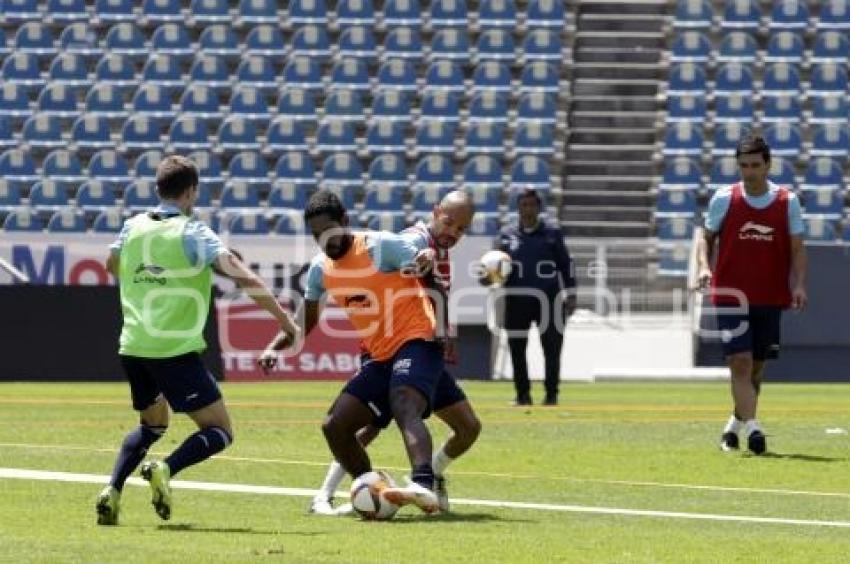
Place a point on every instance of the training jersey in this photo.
(386, 307)
(421, 237)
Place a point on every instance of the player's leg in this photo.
(766, 323)
(465, 426)
(347, 416)
(517, 323)
(736, 333)
(552, 340)
(322, 502)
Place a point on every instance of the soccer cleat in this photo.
(550, 400)
(756, 442)
(324, 506)
(522, 401)
(108, 501)
(157, 474)
(414, 493)
(442, 493)
(729, 441)
(344, 510)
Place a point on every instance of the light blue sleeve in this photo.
(717, 208)
(415, 238)
(201, 243)
(795, 215)
(390, 251)
(315, 285)
(116, 246)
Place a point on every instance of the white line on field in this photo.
(19, 473)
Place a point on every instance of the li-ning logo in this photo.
(402, 366)
(149, 273)
(359, 301)
(755, 232)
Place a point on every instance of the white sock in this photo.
(733, 425)
(751, 425)
(440, 462)
(334, 477)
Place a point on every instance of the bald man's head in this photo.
(451, 218)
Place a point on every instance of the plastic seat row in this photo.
(778, 78)
(737, 106)
(747, 14)
(740, 46)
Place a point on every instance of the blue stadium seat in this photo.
(535, 77)
(396, 75)
(35, 38)
(485, 224)
(693, 14)
(535, 139)
(161, 11)
(18, 11)
(673, 257)
(342, 169)
(94, 196)
(105, 100)
(435, 137)
(91, 131)
(297, 104)
(14, 101)
(386, 137)
(47, 195)
(401, 13)
(830, 140)
(691, 45)
(355, 13)
(440, 105)
(686, 78)
(206, 12)
(265, 41)
(304, 73)
(4, 47)
(296, 167)
(827, 108)
(249, 167)
(724, 172)
(686, 107)
(392, 221)
(403, 43)
(448, 13)
(285, 134)
(66, 221)
(827, 78)
(391, 105)
(10, 195)
(211, 71)
(486, 198)
(741, 14)
(500, 14)
(739, 47)
(109, 11)
(434, 171)
(347, 193)
(221, 41)
(153, 101)
(683, 138)
(257, 12)
(239, 195)
(201, 101)
(345, 105)
(209, 216)
(141, 132)
(58, 100)
(823, 228)
(333, 136)
(210, 170)
(824, 200)
(789, 14)
(545, 14)
(823, 172)
(147, 163)
(781, 78)
(17, 165)
(117, 70)
(163, 70)
(252, 223)
(491, 107)
(312, 41)
(676, 200)
(258, 72)
(734, 107)
(783, 107)
(482, 170)
(23, 220)
(188, 133)
(22, 69)
(450, 44)
(308, 12)
(784, 139)
(290, 222)
(66, 11)
(529, 171)
(109, 167)
(495, 45)
(388, 170)
(445, 75)
(672, 227)
(79, 39)
(542, 45)
(126, 39)
(358, 42)
(785, 46)
(250, 103)
(69, 69)
(733, 77)
(834, 14)
(237, 133)
(7, 136)
(287, 195)
(830, 46)
(488, 138)
(108, 221)
(681, 173)
(383, 197)
(537, 107)
(43, 131)
(782, 172)
(426, 196)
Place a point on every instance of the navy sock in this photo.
(197, 448)
(133, 451)
(423, 475)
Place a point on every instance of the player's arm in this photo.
(112, 263)
(799, 296)
(705, 250)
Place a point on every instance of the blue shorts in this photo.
(757, 330)
(418, 364)
(184, 381)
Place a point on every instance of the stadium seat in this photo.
(398, 13)
(448, 13)
(285, 134)
(425, 197)
(832, 107)
(542, 45)
(536, 107)
(396, 75)
(58, 100)
(238, 195)
(265, 41)
(69, 70)
(782, 107)
(693, 14)
(738, 47)
(439, 105)
(7, 137)
(250, 103)
(485, 224)
(302, 72)
(391, 105)
(22, 69)
(236, 133)
(830, 46)
(782, 172)
(484, 137)
(211, 71)
(500, 14)
(94, 196)
(492, 107)
(355, 13)
(161, 11)
(35, 38)
(296, 167)
(786, 47)
(116, 70)
(445, 75)
(287, 195)
(18, 11)
(383, 197)
(683, 138)
(784, 139)
(66, 11)
(386, 137)
(781, 79)
(201, 101)
(726, 137)
(312, 41)
(388, 170)
(249, 167)
(834, 14)
(819, 227)
(164, 71)
(10, 195)
(827, 78)
(724, 172)
(344, 105)
(210, 170)
(826, 200)
(681, 173)
(290, 222)
(676, 200)
(220, 41)
(434, 171)
(141, 132)
(23, 220)
(126, 39)
(741, 14)
(545, 14)
(335, 135)
(534, 138)
(14, 101)
(347, 193)
(308, 12)
(146, 164)
(686, 78)
(43, 131)
(109, 167)
(530, 172)
(495, 45)
(789, 14)
(253, 223)
(450, 44)
(830, 140)
(342, 169)
(188, 133)
(47, 195)
(108, 221)
(153, 101)
(110, 11)
(206, 12)
(733, 77)
(107, 101)
(258, 72)
(66, 221)
(485, 198)
(673, 258)
(691, 46)
(385, 221)
(672, 227)
(536, 76)
(297, 104)
(687, 107)
(209, 216)
(435, 137)
(482, 170)
(257, 12)
(91, 131)
(17, 165)
(403, 43)
(358, 42)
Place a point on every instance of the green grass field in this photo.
(620, 446)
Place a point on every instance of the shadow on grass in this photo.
(802, 457)
(190, 528)
(456, 518)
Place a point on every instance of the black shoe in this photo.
(756, 442)
(550, 400)
(729, 441)
(522, 400)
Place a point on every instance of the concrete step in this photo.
(612, 152)
(615, 87)
(593, 119)
(605, 229)
(619, 8)
(618, 136)
(618, 71)
(614, 168)
(616, 23)
(608, 182)
(646, 40)
(625, 198)
(618, 55)
(606, 213)
(614, 103)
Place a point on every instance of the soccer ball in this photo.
(367, 495)
(496, 266)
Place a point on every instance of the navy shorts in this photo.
(184, 381)
(757, 330)
(448, 392)
(418, 364)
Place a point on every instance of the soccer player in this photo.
(395, 319)
(448, 223)
(163, 260)
(760, 270)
